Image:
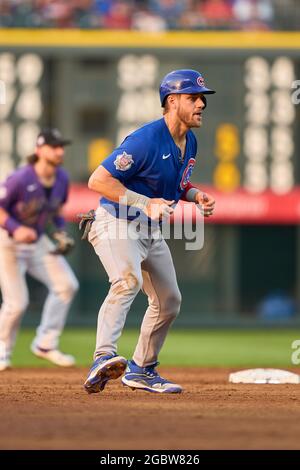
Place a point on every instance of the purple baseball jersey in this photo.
(28, 203)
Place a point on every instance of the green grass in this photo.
(232, 348)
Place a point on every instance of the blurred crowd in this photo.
(151, 15)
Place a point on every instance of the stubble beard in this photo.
(188, 121)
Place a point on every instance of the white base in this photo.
(264, 376)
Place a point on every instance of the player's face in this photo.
(190, 108)
(52, 155)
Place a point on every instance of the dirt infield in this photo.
(48, 409)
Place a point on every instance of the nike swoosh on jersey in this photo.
(166, 156)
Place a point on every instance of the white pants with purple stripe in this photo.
(134, 263)
(52, 270)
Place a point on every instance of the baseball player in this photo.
(30, 198)
(146, 175)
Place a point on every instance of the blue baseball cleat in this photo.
(104, 368)
(147, 378)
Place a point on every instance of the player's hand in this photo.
(63, 243)
(159, 209)
(24, 235)
(207, 202)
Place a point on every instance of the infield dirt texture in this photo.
(48, 409)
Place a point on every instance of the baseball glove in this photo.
(86, 222)
(64, 243)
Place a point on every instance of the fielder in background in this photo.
(30, 198)
(146, 176)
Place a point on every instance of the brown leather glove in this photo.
(64, 243)
(85, 223)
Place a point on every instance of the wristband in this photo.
(135, 199)
(191, 194)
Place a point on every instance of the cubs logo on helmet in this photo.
(200, 81)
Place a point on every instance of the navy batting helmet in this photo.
(183, 81)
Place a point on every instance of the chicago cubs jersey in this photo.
(26, 200)
(150, 163)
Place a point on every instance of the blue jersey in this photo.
(150, 163)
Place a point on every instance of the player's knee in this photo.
(130, 284)
(17, 306)
(173, 303)
(68, 289)
(74, 285)
(134, 282)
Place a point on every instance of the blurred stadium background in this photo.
(92, 68)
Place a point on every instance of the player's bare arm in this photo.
(104, 183)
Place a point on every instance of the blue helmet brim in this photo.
(188, 91)
(207, 91)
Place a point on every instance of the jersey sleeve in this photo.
(58, 219)
(127, 160)
(66, 188)
(9, 192)
(59, 222)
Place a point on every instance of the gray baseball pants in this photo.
(132, 263)
(52, 270)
